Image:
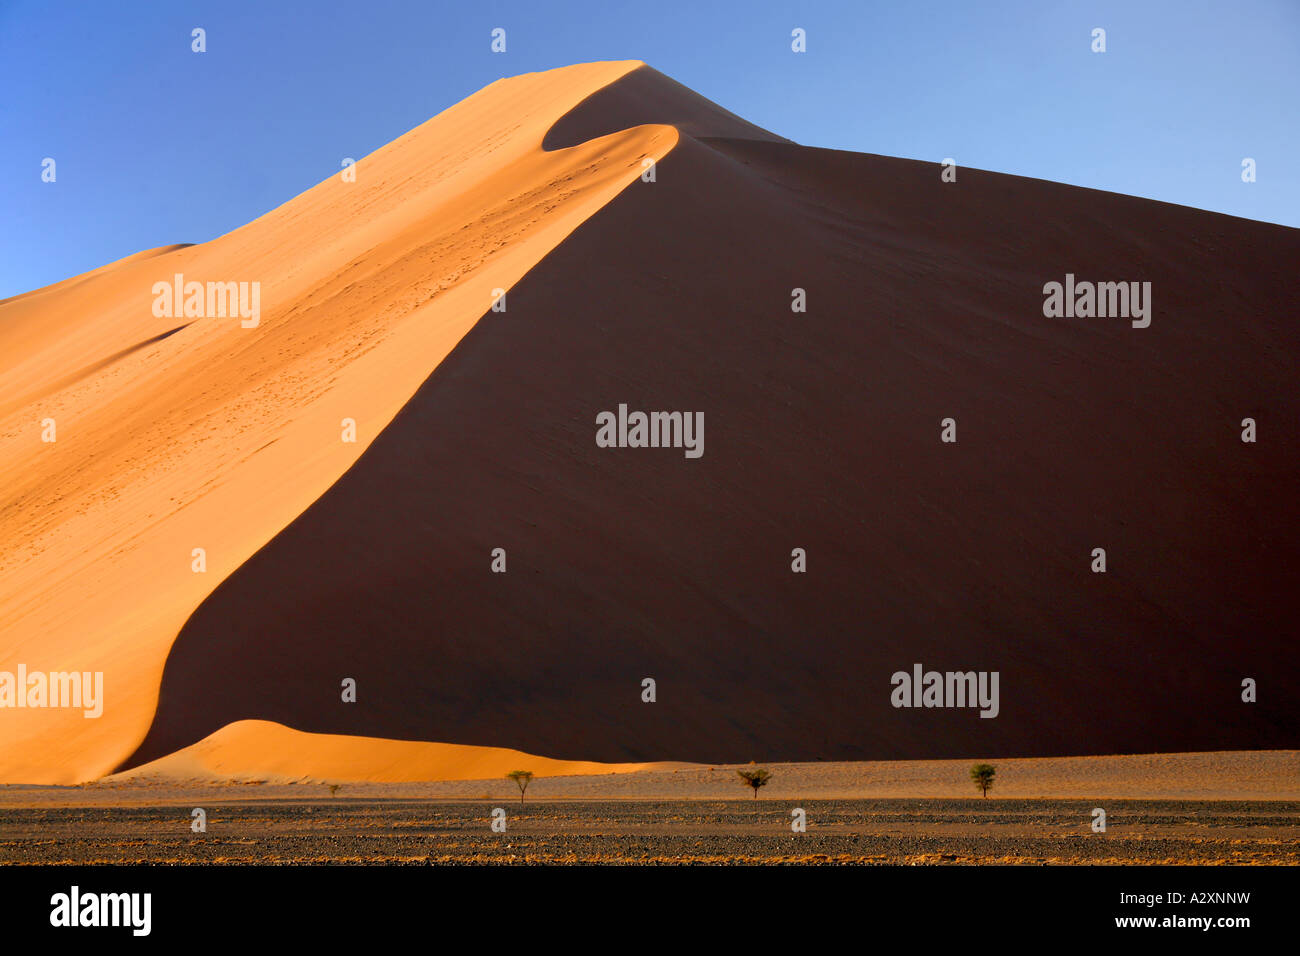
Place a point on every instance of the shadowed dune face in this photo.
(925, 301)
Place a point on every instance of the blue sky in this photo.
(155, 144)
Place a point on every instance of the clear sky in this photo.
(155, 144)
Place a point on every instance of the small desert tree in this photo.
(522, 779)
(755, 778)
(334, 788)
(982, 776)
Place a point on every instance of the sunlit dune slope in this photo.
(257, 749)
(179, 433)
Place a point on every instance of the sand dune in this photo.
(268, 752)
(371, 560)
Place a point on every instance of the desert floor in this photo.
(1177, 809)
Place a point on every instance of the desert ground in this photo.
(1194, 809)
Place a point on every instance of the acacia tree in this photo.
(982, 776)
(522, 779)
(755, 778)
